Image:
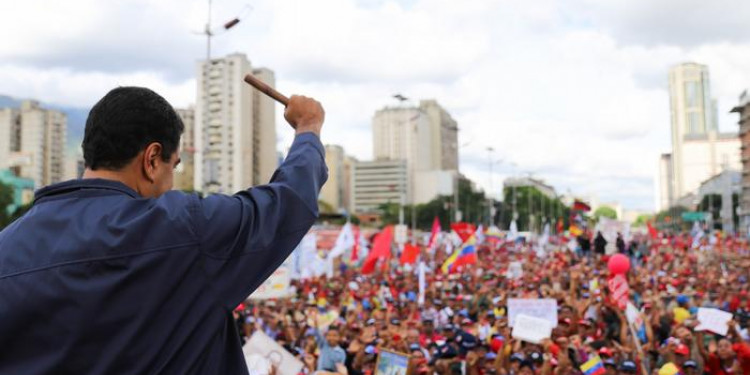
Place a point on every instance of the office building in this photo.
(235, 127)
(379, 182)
(699, 151)
(743, 109)
(333, 192)
(444, 133)
(32, 143)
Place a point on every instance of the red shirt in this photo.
(713, 365)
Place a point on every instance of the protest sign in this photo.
(545, 308)
(276, 286)
(391, 363)
(261, 351)
(633, 315)
(515, 270)
(618, 287)
(531, 329)
(713, 320)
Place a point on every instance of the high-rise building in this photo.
(333, 191)
(743, 109)
(444, 132)
(699, 151)
(379, 182)
(184, 177)
(235, 127)
(32, 143)
(666, 182)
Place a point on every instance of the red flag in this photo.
(381, 249)
(410, 254)
(434, 234)
(652, 231)
(581, 206)
(355, 248)
(560, 227)
(463, 230)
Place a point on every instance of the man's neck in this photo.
(118, 176)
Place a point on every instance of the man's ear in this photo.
(151, 158)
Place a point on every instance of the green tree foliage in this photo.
(605, 211)
(532, 207)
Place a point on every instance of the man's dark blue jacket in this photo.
(95, 279)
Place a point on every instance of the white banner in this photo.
(542, 308)
(515, 270)
(275, 286)
(531, 329)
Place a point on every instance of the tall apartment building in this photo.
(699, 151)
(235, 127)
(444, 132)
(32, 142)
(184, 177)
(743, 109)
(378, 182)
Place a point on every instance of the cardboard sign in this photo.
(276, 286)
(542, 308)
(618, 287)
(713, 320)
(262, 352)
(391, 363)
(531, 329)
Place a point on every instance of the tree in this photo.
(642, 219)
(605, 211)
(532, 207)
(6, 203)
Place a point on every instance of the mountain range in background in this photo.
(76, 119)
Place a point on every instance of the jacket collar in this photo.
(84, 183)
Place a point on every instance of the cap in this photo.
(449, 327)
(517, 357)
(414, 347)
(536, 357)
(682, 299)
(628, 366)
(466, 321)
(370, 349)
(490, 355)
(682, 349)
(370, 322)
(428, 320)
(395, 322)
(605, 351)
(468, 341)
(690, 363)
(610, 362)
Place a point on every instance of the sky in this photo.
(573, 92)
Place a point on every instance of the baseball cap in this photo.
(414, 347)
(690, 363)
(610, 362)
(682, 349)
(628, 366)
(517, 357)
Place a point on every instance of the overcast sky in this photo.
(574, 91)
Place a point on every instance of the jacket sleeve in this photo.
(246, 236)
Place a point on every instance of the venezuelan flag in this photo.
(593, 366)
(466, 254)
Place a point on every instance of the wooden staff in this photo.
(268, 90)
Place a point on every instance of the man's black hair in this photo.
(124, 122)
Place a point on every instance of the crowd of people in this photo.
(459, 324)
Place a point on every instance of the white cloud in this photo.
(574, 91)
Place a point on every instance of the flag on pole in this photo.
(480, 234)
(410, 254)
(463, 230)
(575, 230)
(579, 205)
(466, 254)
(344, 241)
(593, 366)
(422, 282)
(512, 231)
(434, 235)
(381, 249)
(357, 244)
(493, 234)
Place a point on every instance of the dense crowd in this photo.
(341, 324)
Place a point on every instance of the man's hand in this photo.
(304, 114)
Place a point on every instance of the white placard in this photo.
(275, 286)
(531, 329)
(260, 345)
(400, 234)
(633, 315)
(515, 270)
(713, 320)
(542, 308)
